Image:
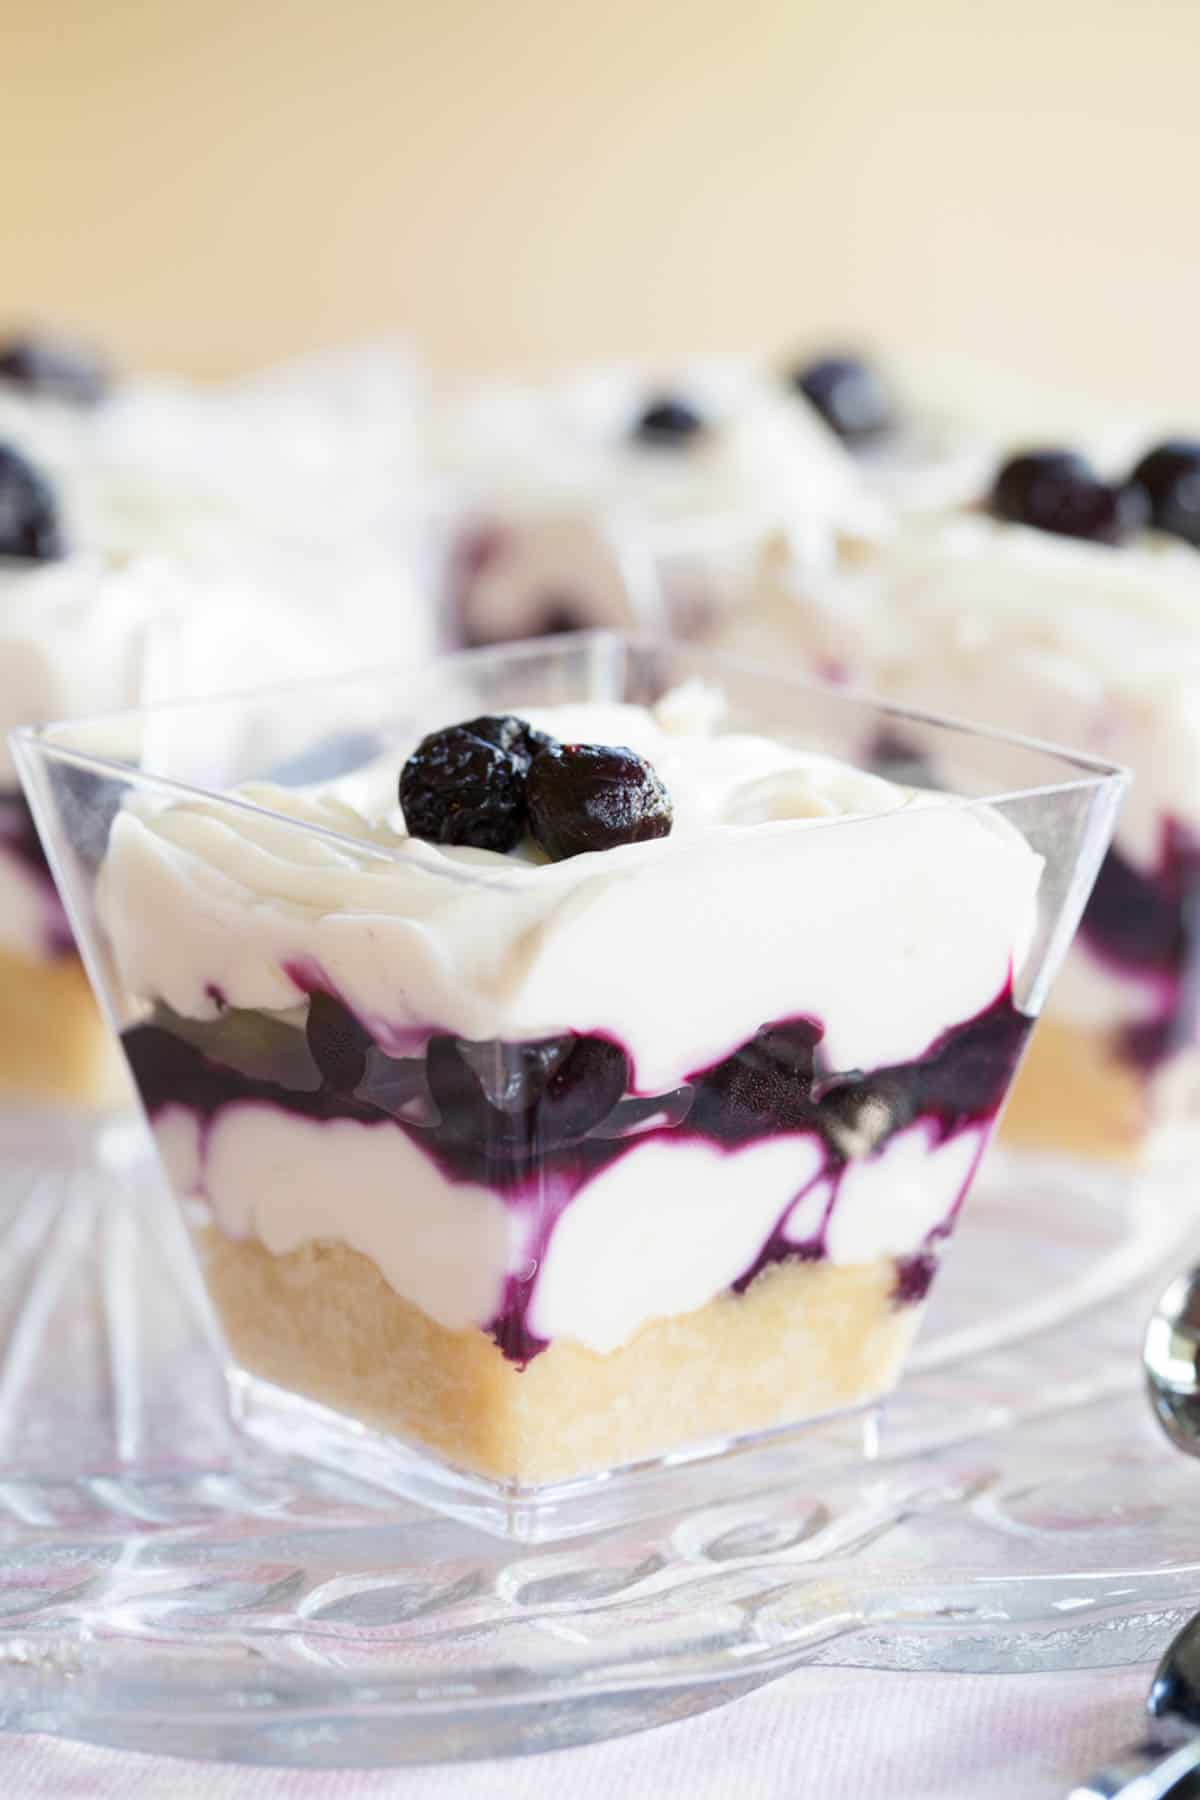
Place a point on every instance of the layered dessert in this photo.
(163, 540)
(1064, 606)
(578, 1083)
(575, 502)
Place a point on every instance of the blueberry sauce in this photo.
(535, 1122)
(1147, 925)
(19, 838)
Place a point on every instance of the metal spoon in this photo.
(1153, 1769)
(1171, 1359)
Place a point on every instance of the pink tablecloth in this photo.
(824, 1734)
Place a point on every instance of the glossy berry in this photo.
(70, 373)
(515, 736)
(337, 1042)
(553, 1092)
(1169, 477)
(466, 784)
(581, 1091)
(594, 797)
(850, 396)
(29, 522)
(1059, 491)
(668, 421)
(764, 1085)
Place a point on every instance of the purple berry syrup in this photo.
(535, 1122)
(1146, 925)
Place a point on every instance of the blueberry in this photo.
(551, 1092)
(515, 736)
(1059, 491)
(1169, 477)
(764, 1085)
(514, 1076)
(67, 372)
(581, 1091)
(29, 522)
(466, 784)
(337, 1042)
(594, 797)
(850, 396)
(668, 421)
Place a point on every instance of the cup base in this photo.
(551, 1511)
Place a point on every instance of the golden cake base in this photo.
(53, 1043)
(804, 1339)
(1072, 1094)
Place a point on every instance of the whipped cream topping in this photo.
(789, 883)
(1019, 628)
(73, 637)
(253, 529)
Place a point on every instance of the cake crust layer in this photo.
(1071, 1093)
(805, 1338)
(53, 1042)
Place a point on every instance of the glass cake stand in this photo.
(169, 1584)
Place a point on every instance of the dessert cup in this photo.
(161, 540)
(509, 1175)
(563, 494)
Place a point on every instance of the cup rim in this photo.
(52, 739)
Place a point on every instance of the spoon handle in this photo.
(1146, 1771)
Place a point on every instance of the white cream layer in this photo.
(789, 884)
(659, 1232)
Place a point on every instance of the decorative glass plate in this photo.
(168, 1584)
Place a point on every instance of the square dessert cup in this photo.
(567, 495)
(509, 1175)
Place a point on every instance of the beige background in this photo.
(209, 182)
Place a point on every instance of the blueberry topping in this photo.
(850, 396)
(29, 523)
(668, 421)
(67, 372)
(1169, 478)
(1059, 491)
(466, 784)
(337, 1042)
(592, 797)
